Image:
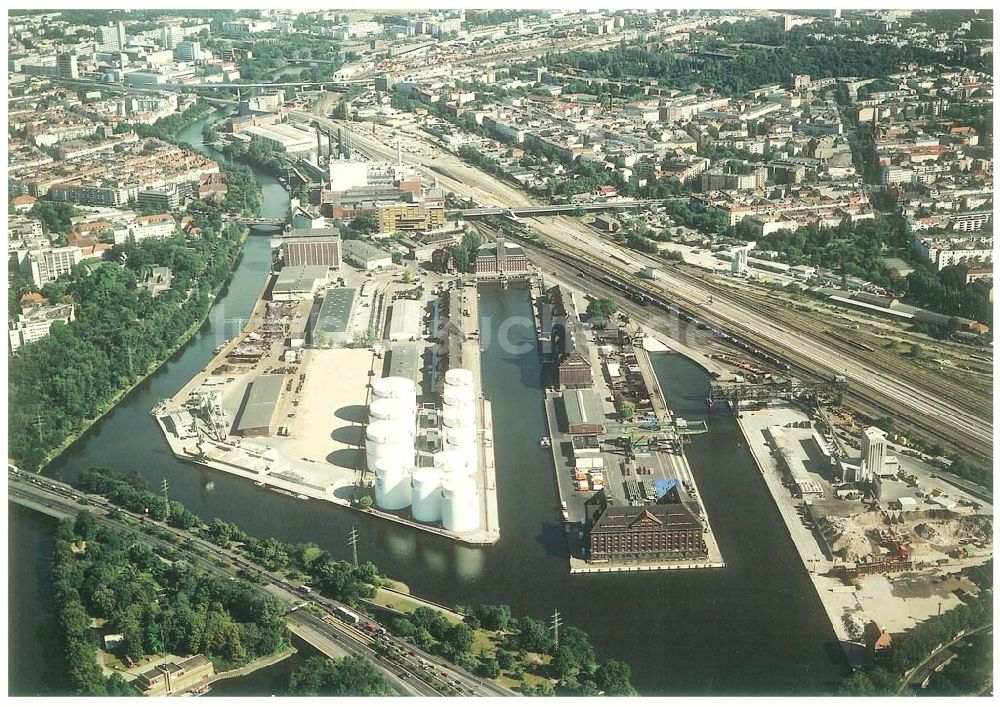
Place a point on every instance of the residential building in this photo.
(34, 323)
(47, 264)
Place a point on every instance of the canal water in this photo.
(754, 627)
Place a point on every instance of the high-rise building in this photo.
(171, 36)
(188, 51)
(67, 65)
(873, 448)
(112, 37)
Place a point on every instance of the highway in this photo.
(921, 403)
(409, 670)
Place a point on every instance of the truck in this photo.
(346, 615)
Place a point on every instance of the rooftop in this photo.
(335, 312)
(259, 402)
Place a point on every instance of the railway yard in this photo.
(930, 404)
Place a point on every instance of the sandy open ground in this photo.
(328, 423)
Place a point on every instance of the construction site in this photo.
(355, 385)
(885, 537)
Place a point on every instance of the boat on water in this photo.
(258, 483)
(301, 497)
(224, 344)
(158, 408)
(545, 442)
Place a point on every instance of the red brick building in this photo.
(656, 532)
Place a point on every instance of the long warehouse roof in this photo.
(259, 401)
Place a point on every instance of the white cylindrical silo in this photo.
(458, 398)
(459, 504)
(461, 377)
(388, 439)
(425, 495)
(452, 462)
(398, 410)
(392, 484)
(458, 418)
(462, 440)
(394, 387)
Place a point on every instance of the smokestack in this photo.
(399, 153)
(319, 145)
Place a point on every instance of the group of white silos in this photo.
(446, 492)
(390, 440)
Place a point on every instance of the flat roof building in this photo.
(260, 401)
(333, 319)
(404, 362)
(298, 282)
(405, 322)
(281, 137)
(365, 255)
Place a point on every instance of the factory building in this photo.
(331, 326)
(260, 401)
(404, 362)
(654, 532)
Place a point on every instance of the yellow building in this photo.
(409, 217)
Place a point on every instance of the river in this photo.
(754, 627)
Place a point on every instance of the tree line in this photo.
(157, 606)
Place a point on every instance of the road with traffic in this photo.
(408, 669)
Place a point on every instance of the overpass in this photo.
(409, 670)
(553, 209)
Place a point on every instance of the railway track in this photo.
(954, 433)
(944, 388)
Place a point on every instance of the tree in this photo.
(627, 410)
(352, 676)
(613, 678)
(601, 309)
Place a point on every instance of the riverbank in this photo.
(243, 671)
(182, 341)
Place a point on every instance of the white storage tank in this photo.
(458, 398)
(394, 387)
(392, 484)
(460, 377)
(459, 504)
(452, 462)
(458, 418)
(388, 439)
(425, 495)
(462, 440)
(394, 409)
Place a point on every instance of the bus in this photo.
(346, 615)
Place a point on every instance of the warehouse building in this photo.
(584, 412)
(283, 138)
(405, 322)
(312, 246)
(260, 401)
(298, 282)
(366, 256)
(404, 362)
(637, 533)
(331, 325)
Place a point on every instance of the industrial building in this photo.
(873, 448)
(653, 532)
(409, 217)
(313, 246)
(584, 412)
(404, 362)
(282, 138)
(405, 322)
(366, 256)
(330, 327)
(298, 282)
(260, 401)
